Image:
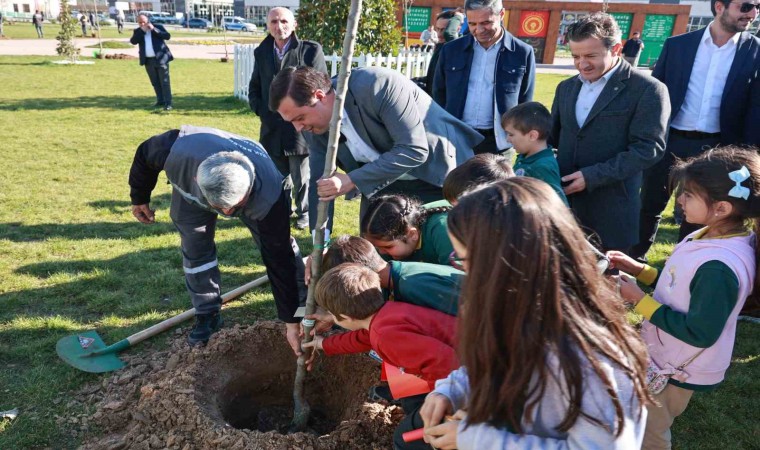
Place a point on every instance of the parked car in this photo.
(238, 24)
(105, 20)
(197, 22)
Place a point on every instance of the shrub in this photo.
(65, 37)
(324, 21)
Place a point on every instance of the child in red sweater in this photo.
(416, 344)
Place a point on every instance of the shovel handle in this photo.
(179, 318)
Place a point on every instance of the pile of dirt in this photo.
(236, 393)
(119, 56)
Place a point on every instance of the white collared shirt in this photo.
(360, 150)
(590, 92)
(149, 52)
(478, 108)
(700, 110)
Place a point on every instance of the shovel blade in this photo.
(76, 350)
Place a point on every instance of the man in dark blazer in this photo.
(609, 125)
(479, 77)
(712, 77)
(394, 138)
(155, 56)
(287, 148)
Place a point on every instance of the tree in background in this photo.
(65, 37)
(324, 21)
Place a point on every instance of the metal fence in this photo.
(411, 63)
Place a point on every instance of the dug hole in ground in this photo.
(236, 393)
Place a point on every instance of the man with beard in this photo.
(712, 78)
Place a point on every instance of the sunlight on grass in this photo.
(74, 258)
(26, 324)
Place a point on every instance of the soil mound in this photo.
(236, 393)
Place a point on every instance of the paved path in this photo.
(46, 47)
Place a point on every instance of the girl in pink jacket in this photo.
(690, 318)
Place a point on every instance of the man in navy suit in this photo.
(712, 77)
(155, 56)
(481, 76)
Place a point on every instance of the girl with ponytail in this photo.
(690, 318)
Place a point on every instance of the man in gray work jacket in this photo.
(214, 172)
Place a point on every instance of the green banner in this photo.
(418, 19)
(624, 22)
(657, 28)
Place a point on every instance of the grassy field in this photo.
(73, 258)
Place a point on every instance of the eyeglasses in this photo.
(746, 7)
(456, 262)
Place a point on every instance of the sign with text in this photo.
(624, 22)
(418, 19)
(534, 24)
(657, 28)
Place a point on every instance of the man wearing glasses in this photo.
(712, 79)
(155, 56)
(214, 172)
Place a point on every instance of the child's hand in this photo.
(623, 262)
(315, 345)
(324, 322)
(444, 436)
(628, 289)
(434, 409)
(307, 269)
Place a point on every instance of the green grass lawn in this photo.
(73, 258)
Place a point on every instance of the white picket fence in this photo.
(411, 63)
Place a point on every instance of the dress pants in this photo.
(296, 170)
(279, 252)
(655, 193)
(159, 78)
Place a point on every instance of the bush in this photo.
(324, 21)
(65, 37)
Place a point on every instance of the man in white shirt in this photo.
(429, 38)
(481, 76)
(712, 79)
(155, 56)
(609, 125)
(395, 139)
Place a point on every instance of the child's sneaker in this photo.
(382, 392)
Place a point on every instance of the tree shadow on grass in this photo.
(119, 206)
(128, 286)
(185, 104)
(40, 63)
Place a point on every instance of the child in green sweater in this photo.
(528, 126)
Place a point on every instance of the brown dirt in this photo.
(118, 56)
(236, 393)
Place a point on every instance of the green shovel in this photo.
(86, 351)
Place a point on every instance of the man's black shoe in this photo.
(158, 105)
(205, 326)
